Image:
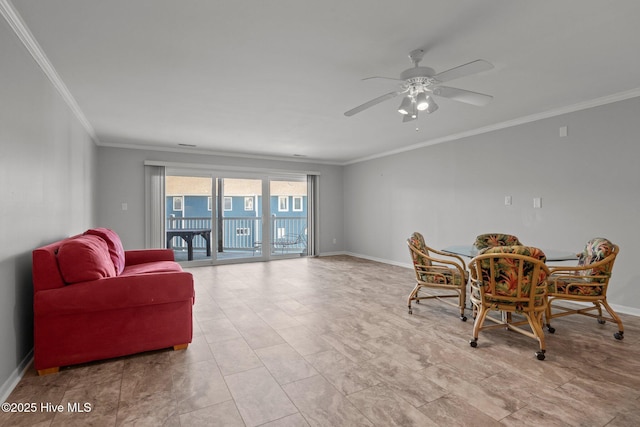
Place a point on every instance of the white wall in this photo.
(121, 180)
(589, 183)
(47, 168)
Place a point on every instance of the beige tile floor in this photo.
(328, 341)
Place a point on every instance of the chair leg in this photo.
(462, 302)
(412, 295)
(620, 334)
(547, 316)
(180, 347)
(477, 325)
(535, 322)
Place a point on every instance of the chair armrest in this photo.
(141, 256)
(448, 260)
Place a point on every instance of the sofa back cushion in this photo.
(85, 258)
(116, 251)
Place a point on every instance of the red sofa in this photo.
(93, 300)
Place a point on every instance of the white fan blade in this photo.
(464, 70)
(382, 77)
(371, 103)
(409, 118)
(461, 95)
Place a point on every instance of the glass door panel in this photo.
(238, 219)
(188, 207)
(288, 205)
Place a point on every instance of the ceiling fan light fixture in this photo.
(422, 101)
(432, 106)
(414, 110)
(405, 106)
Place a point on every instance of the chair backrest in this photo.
(512, 275)
(490, 240)
(418, 247)
(595, 251)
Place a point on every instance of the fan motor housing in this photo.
(414, 72)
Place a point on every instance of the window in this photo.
(228, 204)
(297, 204)
(248, 203)
(283, 203)
(177, 203)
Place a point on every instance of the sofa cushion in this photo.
(116, 251)
(115, 293)
(85, 258)
(152, 267)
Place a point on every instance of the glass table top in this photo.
(552, 255)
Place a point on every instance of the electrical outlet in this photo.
(507, 200)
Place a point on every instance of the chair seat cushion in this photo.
(443, 276)
(559, 284)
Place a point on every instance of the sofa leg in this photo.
(181, 346)
(48, 371)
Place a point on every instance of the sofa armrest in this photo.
(114, 293)
(141, 256)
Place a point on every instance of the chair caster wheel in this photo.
(473, 343)
(417, 301)
(551, 330)
(601, 321)
(410, 311)
(540, 355)
(463, 318)
(618, 335)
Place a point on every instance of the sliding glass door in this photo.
(189, 208)
(223, 218)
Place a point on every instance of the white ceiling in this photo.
(273, 78)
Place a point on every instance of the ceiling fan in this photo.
(420, 83)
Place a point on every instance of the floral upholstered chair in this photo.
(437, 270)
(490, 240)
(587, 282)
(510, 280)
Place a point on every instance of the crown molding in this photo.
(13, 18)
(609, 99)
(132, 146)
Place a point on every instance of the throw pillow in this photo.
(116, 251)
(85, 258)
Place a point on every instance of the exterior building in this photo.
(190, 204)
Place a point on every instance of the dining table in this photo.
(552, 255)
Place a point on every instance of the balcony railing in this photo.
(288, 234)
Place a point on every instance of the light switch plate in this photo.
(537, 202)
(564, 131)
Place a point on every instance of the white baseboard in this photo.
(15, 377)
(384, 261)
(332, 253)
